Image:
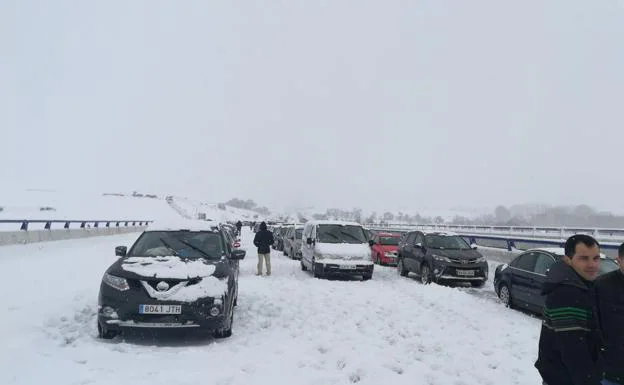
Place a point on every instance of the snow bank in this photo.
(168, 267)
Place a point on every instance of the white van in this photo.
(336, 247)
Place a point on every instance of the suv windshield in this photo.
(185, 244)
(389, 241)
(340, 234)
(446, 242)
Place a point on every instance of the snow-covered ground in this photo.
(70, 205)
(289, 328)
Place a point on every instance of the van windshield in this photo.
(340, 234)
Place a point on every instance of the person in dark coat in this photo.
(239, 226)
(610, 292)
(569, 344)
(263, 241)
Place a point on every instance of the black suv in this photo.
(441, 257)
(171, 278)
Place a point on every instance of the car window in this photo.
(543, 263)
(525, 262)
(420, 238)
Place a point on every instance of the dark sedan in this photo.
(519, 283)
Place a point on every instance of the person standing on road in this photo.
(239, 226)
(610, 293)
(569, 344)
(263, 241)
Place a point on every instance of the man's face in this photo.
(586, 261)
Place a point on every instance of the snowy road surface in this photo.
(289, 329)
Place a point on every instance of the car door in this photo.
(521, 277)
(307, 251)
(407, 253)
(542, 265)
(419, 251)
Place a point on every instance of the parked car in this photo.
(292, 242)
(336, 247)
(172, 277)
(441, 257)
(384, 248)
(519, 283)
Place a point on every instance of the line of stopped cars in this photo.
(174, 276)
(336, 247)
(332, 247)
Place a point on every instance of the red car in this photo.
(384, 248)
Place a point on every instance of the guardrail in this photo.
(67, 229)
(534, 231)
(83, 223)
(517, 242)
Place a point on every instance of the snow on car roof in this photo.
(329, 222)
(189, 224)
(442, 233)
(389, 234)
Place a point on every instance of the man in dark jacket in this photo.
(610, 292)
(239, 226)
(263, 241)
(569, 343)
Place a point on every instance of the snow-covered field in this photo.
(69, 205)
(289, 328)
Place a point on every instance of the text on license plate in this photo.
(466, 273)
(348, 267)
(160, 309)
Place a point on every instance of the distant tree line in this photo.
(248, 204)
(549, 216)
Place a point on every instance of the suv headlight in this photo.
(118, 283)
(441, 258)
(390, 254)
(480, 259)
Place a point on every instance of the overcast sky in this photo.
(376, 104)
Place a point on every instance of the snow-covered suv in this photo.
(336, 247)
(180, 276)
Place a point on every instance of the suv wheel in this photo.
(226, 331)
(104, 333)
(401, 268)
(425, 274)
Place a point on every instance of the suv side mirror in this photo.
(473, 246)
(121, 251)
(238, 254)
(371, 242)
(419, 245)
(309, 241)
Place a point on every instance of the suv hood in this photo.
(188, 279)
(170, 267)
(456, 254)
(345, 251)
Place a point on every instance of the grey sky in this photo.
(378, 104)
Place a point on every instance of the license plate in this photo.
(160, 309)
(348, 267)
(466, 273)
